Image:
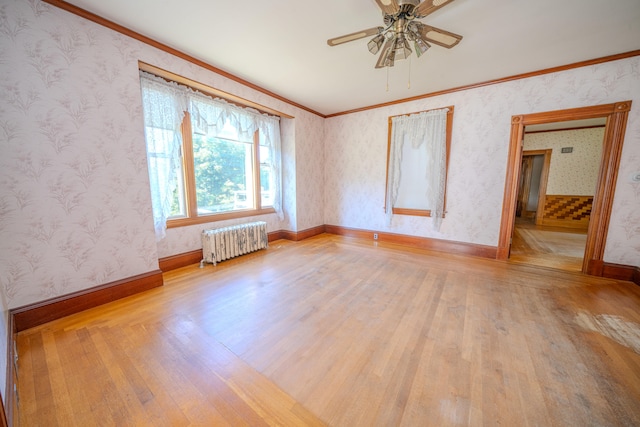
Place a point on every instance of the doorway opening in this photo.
(558, 176)
(615, 116)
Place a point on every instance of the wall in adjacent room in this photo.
(574, 173)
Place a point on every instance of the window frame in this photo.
(419, 212)
(188, 167)
(191, 201)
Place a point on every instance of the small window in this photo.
(417, 163)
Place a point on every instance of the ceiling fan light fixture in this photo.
(375, 43)
(387, 56)
(389, 60)
(421, 46)
(401, 47)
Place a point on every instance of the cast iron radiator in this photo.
(223, 243)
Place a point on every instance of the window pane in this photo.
(266, 177)
(158, 146)
(414, 180)
(178, 205)
(224, 174)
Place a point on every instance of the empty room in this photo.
(335, 213)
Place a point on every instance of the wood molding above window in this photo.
(168, 75)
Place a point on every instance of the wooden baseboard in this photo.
(621, 272)
(578, 225)
(193, 257)
(181, 260)
(595, 267)
(418, 242)
(42, 312)
(296, 236)
(308, 233)
(277, 235)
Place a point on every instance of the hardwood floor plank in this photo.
(25, 372)
(61, 401)
(344, 332)
(149, 395)
(545, 246)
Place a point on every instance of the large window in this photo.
(417, 163)
(208, 159)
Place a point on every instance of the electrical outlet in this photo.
(375, 236)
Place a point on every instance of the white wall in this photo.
(575, 173)
(356, 144)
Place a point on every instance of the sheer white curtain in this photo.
(424, 131)
(210, 115)
(164, 105)
(270, 137)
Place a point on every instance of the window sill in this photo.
(203, 219)
(413, 212)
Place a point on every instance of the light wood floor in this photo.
(344, 332)
(554, 247)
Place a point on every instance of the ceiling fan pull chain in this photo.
(409, 81)
(388, 78)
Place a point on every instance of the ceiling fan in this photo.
(401, 26)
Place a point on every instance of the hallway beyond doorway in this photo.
(555, 247)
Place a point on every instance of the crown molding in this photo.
(571, 66)
(151, 42)
(147, 40)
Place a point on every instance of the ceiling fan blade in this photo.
(389, 7)
(354, 36)
(387, 54)
(440, 37)
(427, 7)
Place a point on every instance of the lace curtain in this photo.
(164, 104)
(425, 131)
(209, 117)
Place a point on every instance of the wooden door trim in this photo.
(616, 115)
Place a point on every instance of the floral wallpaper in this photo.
(356, 144)
(74, 187)
(575, 173)
(310, 171)
(75, 209)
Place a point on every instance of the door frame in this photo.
(616, 115)
(544, 178)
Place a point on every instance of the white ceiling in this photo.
(280, 45)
